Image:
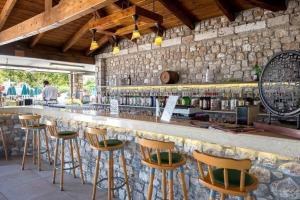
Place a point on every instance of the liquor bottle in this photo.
(233, 101)
(129, 80)
(256, 101)
(224, 102)
(241, 100)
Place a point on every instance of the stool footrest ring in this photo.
(120, 183)
(58, 165)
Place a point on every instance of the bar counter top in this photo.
(256, 139)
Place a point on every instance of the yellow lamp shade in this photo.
(135, 35)
(94, 45)
(116, 50)
(158, 40)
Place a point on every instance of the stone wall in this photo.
(229, 49)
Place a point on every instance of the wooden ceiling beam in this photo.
(45, 52)
(179, 11)
(65, 12)
(85, 28)
(128, 29)
(273, 5)
(36, 39)
(114, 19)
(224, 6)
(6, 10)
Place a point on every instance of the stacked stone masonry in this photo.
(229, 49)
(279, 176)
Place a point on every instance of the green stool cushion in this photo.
(164, 157)
(233, 176)
(110, 142)
(67, 133)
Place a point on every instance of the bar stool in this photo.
(31, 123)
(226, 176)
(61, 137)
(97, 140)
(159, 155)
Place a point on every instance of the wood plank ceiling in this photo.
(76, 37)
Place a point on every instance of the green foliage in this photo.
(257, 69)
(35, 79)
(89, 85)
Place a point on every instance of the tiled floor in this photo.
(31, 184)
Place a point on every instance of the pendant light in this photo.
(158, 38)
(135, 34)
(116, 48)
(94, 44)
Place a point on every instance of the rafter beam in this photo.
(45, 52)
(273, 5)
(128, 29)
(113, 20)
(65, 12)
(179, 11)
(6, 10)
(36, 39)
(77, 36)
(226, 9)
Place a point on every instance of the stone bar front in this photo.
(275, 160)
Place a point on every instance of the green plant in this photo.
(257, 69)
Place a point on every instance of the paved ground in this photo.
(31, 184)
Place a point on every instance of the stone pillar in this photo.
(100, 77)
(76, 83)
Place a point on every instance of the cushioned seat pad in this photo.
(164, 157)
(67, 132)
(110, 142)
(233, 176)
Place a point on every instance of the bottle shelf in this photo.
(185, 86)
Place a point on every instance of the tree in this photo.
(35, 79)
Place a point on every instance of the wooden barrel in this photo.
(169, 77)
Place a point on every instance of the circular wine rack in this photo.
(279, 84)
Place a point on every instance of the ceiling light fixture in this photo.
(135, 34)
(94, 44)
(158, 38)
(116, 48)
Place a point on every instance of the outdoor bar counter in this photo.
(275, 158)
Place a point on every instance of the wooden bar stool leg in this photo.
(183, 184)
(4, 144)
(39, 149)
(25, 148)
(62, 165)
(47, 147)
(171, 192)
(110, 175)
(249, 197)
(33, 146)
(212, 195)
(72, 156)
(55, 160)
(125, 174)
(96, 175)
(222, 196)
(164, 185)
(150, 188)
(79, 160)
